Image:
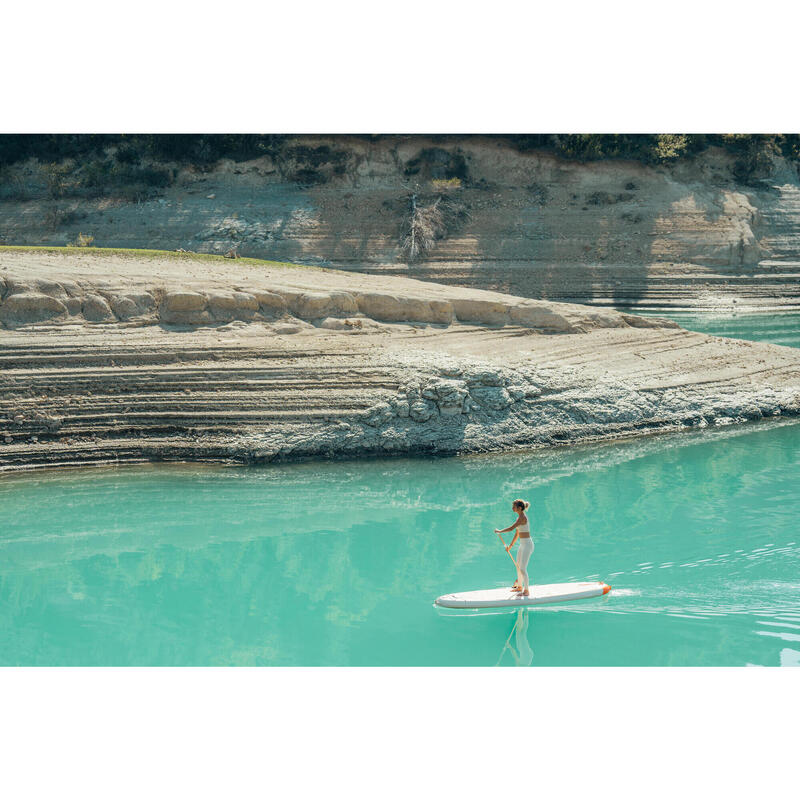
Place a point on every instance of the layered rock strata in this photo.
(609, 233)
(106, 359)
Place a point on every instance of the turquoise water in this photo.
(339, 563)
(778, 328)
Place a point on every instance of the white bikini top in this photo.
(526, 528)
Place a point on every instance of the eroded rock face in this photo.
(606, 233)
(330, 307)
(222, 368)
(420, 411)
(493, 398)
(448, 394)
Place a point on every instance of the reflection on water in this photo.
(521, 652)
(339, 563)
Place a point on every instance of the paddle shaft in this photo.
(507, 551)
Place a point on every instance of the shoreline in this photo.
(683, 436)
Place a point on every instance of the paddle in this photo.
(507, 551)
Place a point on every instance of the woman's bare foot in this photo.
(516, 588)
(526, 593)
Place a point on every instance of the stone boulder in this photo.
(184, 308)
(96, 309)
(318, 305)
(534, 315)
(482, 312)
(132, 304)
(227, 306)
(30, 307)
(270, 304)
(390, 308)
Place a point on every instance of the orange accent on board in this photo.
(606, 588)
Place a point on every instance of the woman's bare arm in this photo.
(510, 527)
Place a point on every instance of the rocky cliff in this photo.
(610, 232)
(109, 358)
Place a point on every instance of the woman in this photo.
(523, 532)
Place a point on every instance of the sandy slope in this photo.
(109, 358)
(606, 233)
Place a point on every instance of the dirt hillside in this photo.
(611, 232)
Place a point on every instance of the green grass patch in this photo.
(171, 255)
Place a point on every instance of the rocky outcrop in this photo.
(29, 300)
(224, 362)
(610, 233)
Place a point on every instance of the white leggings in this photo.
(524, 553)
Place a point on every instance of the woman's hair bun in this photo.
(524, 503)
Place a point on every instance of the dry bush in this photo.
(445, 184)
(428, 223)
(83, 240)
(423, 227)
(454, 213)
(58, 179)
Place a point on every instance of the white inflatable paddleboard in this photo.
(546, 593)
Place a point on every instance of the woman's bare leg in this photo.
(523, 555)
(517, 587)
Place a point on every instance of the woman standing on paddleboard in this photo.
(523, 532)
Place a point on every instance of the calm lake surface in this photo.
(339, 563)
(778, 328)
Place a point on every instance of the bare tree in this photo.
(428, 223)
(425, 225)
